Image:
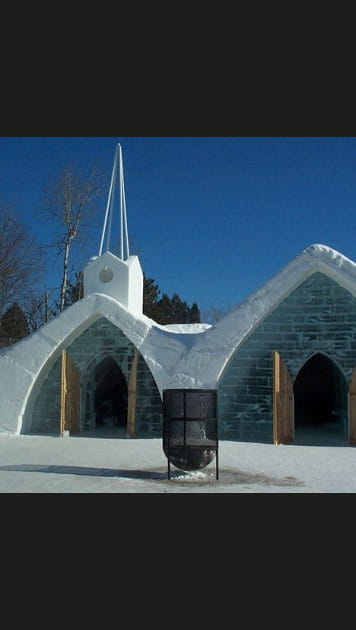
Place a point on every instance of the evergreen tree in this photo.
(179, 310)
(151, 294)
(194, 314)
(166, 310)
(14, 324)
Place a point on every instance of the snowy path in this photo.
(121, 465)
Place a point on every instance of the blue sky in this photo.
(211, 218)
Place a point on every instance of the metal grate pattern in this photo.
(190, 428)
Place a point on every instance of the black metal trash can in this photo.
(190, 428)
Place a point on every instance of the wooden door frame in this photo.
(132, 397)
(70, 396)
(351, 415)
(283, 402)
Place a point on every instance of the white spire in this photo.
(106, 233)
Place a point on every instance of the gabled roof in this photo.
(212, 351)
(22, 363)
(178, 356)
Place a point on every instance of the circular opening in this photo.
(106, 274)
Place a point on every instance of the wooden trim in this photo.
(283, 402)
(70, 396)
(132, 398)
(276, 389)
(63, 392)
(352, 408)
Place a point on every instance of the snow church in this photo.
(283, 362)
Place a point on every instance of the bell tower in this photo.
(117, 275)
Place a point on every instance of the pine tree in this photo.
(194, 314)
(179, 310)
(151, 294)
(169, 310)
(14, 324)
(164, 311)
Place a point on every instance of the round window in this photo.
(106, 274)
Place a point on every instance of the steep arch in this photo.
(110, 395)
(103, 355)
(320, 400)
(105, 395)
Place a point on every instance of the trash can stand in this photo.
(190, 428)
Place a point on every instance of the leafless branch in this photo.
(70, 202)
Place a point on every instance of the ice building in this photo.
(283, 361)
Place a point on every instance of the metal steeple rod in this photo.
(124, 237)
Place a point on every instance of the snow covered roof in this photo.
(206, 360)
(191, 355)
(22, 363)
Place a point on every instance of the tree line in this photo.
(69, 209)
(167, 310)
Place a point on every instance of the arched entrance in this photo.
(110, 396)
(320, 401)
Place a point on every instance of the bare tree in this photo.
(20, 259)
(37, 308)
(69, 202)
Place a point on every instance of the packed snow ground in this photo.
(36, 464)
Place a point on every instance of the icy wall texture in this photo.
(318, 316)
(100, 340)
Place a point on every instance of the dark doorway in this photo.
(320, 400)
(110, 396)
